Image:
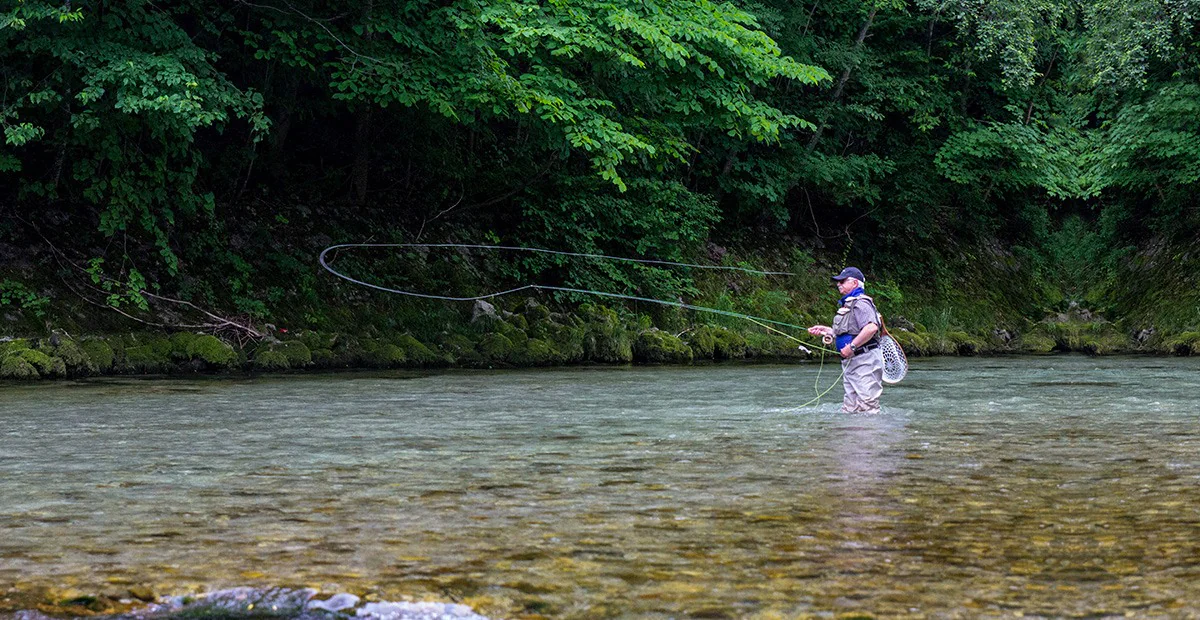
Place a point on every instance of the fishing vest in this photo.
(843, 321)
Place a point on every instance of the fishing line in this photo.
(762, 322)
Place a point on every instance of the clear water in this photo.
(1051, 486)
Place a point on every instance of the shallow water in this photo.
(1051, 486)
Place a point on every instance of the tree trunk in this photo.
(283, 121)
(845, 77)
(362, 133)
(362, 155)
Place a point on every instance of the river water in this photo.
(1044, 486)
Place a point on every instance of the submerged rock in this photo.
(417, 611)
(295, 604)
(335, 603)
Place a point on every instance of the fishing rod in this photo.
(761, 321)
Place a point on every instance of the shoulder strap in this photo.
(854, 300)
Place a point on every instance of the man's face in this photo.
(845, 286)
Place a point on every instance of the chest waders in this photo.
(895, 362)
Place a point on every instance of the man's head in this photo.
(849, 279)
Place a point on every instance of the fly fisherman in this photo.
(855, 333)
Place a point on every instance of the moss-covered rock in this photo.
(915, 344)
(145, 359)
(702, 342)
(566, 340)
(77, 363)
(417, 353)
(768, 345)
(964, 344)
(461, 350)
(517, 321)
(181, 345)
(497, 348)
(1096, 337)
(538, 352)
(212, 351)
(160, 344)
(267, 359)
(514, 333)
(384, 355)
(317, 340)
(16, 367)
(654, 346)
(296, 352)
(727, 344)
(1034, 342)
(535, 311)
(323, 358)
(605, 338)
(46, 365)
(1104, 343)
(348, 351)
(99, 352)
(1186, 343)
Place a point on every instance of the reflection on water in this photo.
(1054, 486)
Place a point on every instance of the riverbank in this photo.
(530, 336)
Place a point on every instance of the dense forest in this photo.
(1011, 175)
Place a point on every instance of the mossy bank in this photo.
(528, 335)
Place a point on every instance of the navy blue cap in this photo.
(850, 272)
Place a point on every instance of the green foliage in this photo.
(1155, 145)
(1127, 36)
(13, 293)
(553, 64)
(1017, 157)
(129, 92)
(985, 162)
(1005, 30)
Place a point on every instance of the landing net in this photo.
(895, 363)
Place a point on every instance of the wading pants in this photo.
(863, 380)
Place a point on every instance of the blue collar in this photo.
(854, 293)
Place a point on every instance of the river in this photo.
(1044, 486)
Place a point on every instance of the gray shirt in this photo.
(855, 315)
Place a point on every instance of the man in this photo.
(855, 330)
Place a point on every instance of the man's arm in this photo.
(865, 335)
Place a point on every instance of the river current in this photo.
(1060, 486)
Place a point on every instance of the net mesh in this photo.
(895, 364)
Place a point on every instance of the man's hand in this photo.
(847, 352)
(820, 330)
